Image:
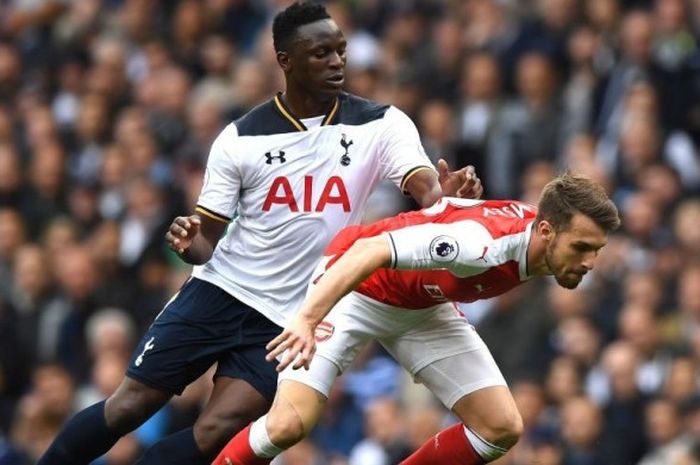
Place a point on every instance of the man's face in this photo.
(316, 59)
(571, 252)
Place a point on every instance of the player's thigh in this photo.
(434, 334)
(245, 360)
(350, 325)
(320, 376)
(195, 328)
(302, 394)
(456, 376)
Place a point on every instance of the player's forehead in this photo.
(324, 31)
(585, 230)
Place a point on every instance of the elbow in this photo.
(204, 258)
(196, 259)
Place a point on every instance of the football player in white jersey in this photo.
(295, 170)
(397, 280)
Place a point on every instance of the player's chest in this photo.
(329, 148)
(307, 171)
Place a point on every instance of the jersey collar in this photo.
(522, 255)
(287, 114)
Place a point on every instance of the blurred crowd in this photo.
(107, 112)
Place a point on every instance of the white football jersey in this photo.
(291, 189)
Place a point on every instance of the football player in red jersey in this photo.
(394, 281)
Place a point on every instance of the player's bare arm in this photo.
(427, 187)
(363, 258)
(194, 237)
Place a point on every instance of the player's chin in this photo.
(329, 96)
(569, 280)
(331, 88)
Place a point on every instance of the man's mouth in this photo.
(336, 79)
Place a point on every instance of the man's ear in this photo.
(284, 61)
(546, 230)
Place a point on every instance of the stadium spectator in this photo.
(664, 429)
(386, 441)
(582, 433)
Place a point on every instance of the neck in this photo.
(536, 249)
(307, 106)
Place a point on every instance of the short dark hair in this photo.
(291, 18)
(573, 193)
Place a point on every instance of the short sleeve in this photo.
(402, 152)
(222, 180)
(454, 246)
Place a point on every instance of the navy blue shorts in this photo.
(202, 325)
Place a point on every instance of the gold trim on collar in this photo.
(296, 122)
(282, 109)
(331, 114)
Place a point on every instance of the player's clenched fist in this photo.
(182, 231)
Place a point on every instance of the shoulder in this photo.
(356, 110)
(498, 217)
(468, 229)
(224, 142)
(507, 217)
(227, 134)
(262, 120)
(399, 121)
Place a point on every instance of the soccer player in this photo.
(394, 281)
(296, 170)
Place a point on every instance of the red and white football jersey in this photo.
(457, 250)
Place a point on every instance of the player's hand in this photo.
(182, 231)
(297, 342)
(462, 183)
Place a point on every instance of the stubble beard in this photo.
(550, 262)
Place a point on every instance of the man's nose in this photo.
(589, 261)
(336, 59)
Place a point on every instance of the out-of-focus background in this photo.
(107, 111)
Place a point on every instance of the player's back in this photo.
(500, 217)
(506, 226)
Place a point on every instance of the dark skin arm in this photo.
(195, 237)
(426, 187)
